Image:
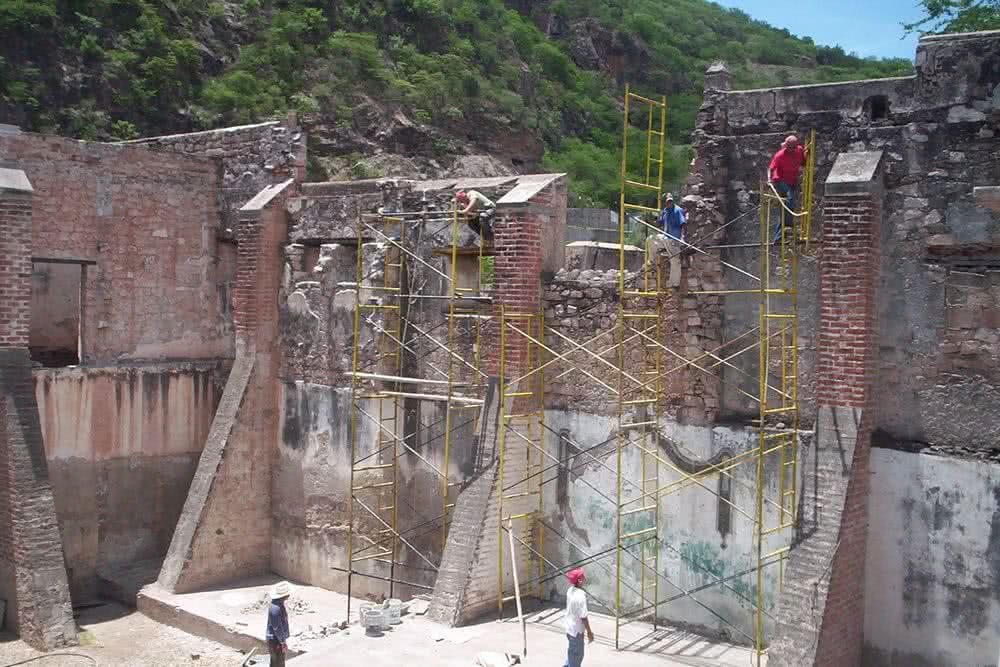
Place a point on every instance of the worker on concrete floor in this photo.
(673, 222)
(783, 172)
(277, 623)
(576, 618)
(479, 210)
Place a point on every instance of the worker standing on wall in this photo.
(673, 222)
(480, 211)
(576, 621)
(277, 624)
(783, 172)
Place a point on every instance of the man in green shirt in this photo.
(479, 211)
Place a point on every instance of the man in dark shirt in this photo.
(673, 222)
(277, 624)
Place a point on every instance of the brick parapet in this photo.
(32, 570)
(15, 267)
(821, 611)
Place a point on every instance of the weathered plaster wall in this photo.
(122, 445)
(312, 476)
(704, 538)
(933, 568)
(149, 220)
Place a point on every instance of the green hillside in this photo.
(549, 72)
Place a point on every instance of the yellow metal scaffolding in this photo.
(642, 363)
(380, 383)
(640, 377)
(522, 449)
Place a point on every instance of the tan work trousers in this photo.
(672, 247)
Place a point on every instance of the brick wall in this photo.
(224, 532)
(32, 572)
(15, 268)
(821, 610)
(149, 220)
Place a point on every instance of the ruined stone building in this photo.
(187, 325)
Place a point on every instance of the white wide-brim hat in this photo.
(282, 589)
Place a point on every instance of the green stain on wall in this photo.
(706, 560)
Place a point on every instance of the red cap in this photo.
(576, 576)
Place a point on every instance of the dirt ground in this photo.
(114, 636)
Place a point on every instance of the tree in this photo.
(957, 16)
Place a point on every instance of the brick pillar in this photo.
(224, 532)
(529, 239)
(821, 611)
(32, 570)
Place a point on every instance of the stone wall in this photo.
(122, 445)
(938, 133)
(252, 157)
(936, 320)
(148, 222)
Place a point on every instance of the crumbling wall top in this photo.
(955, 73)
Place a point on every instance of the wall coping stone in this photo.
(854, 173)
(15, 180)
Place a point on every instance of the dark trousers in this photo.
(482, 223)
(784, 220)
(277, 655)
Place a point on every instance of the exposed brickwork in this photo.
(32, 572)
(15, 268)
(821, 610)
(848, 266)
(149, 220)
(467, 586)
(234, 475)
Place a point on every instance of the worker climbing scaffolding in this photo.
(478, 210)
(783, 174)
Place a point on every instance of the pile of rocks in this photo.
(321, 631)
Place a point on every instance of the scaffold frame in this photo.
(390, 385)
(640, 390)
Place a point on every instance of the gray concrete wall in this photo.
(933, 565)
(312, 479)
(704, 539)
(122, 445)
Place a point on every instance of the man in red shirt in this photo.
(783, 172)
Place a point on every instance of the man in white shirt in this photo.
(576, 618)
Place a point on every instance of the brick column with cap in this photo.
(33, 580)
(529, 241)
(821, 609)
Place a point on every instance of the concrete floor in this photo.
(237, 614)
(417, 639)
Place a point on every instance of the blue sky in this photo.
(868, 27)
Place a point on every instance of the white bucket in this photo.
(393, 610)
(373, 620)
